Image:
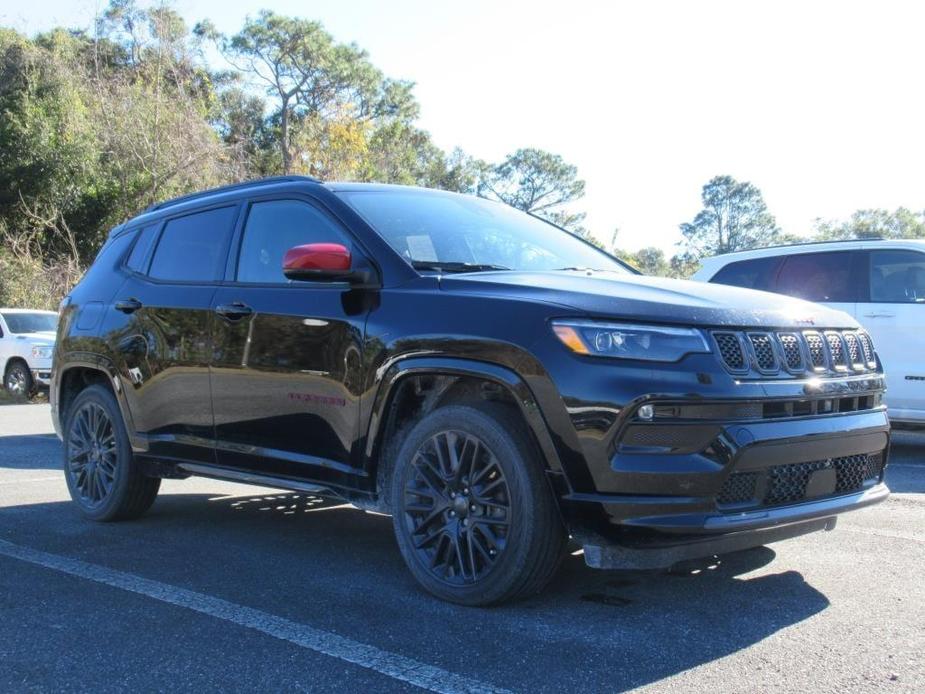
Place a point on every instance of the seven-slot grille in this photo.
(839, 351)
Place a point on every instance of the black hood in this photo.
(652, 299)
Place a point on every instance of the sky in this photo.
(820, 104)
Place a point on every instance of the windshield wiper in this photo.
(454, 266)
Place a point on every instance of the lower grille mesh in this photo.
(739, 488)
(786, 484)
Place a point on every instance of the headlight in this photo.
(42, 351)
(623, 341)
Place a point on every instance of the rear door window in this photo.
(192, 248)
(897, 277)
(829, 277)
(139, 255)
(275, 226)
(757, 273)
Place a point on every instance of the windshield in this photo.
(19, 323)
(461, 233)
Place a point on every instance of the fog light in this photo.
(646, 412)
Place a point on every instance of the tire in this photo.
(473, 514)
(18, 380)
(102, 476)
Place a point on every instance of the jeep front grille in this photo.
(867, 345)
(730, 349)
(854, 351)
(837, 351)
(816, 350)
(809, 351)
(763, 349)
(793, 352)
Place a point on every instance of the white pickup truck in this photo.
(27, 340)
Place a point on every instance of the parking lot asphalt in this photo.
(230, 587)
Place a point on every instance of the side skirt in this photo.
(229, 475)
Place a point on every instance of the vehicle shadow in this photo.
(30, 452)
(309, 558)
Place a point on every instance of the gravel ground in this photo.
(228, 587)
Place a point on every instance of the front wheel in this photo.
(475, 519)
(18, 380)
(102, 475)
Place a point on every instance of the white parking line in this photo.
(32, 479)
(390, 664)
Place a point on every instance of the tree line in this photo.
(95, 126)
(735, 218)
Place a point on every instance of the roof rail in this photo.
(806, 243)
(225, 189)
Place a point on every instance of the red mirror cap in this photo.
(331, 257)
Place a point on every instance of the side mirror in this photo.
(322, 262)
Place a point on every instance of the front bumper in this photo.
(41, 372)
(744, 484)
(729, 534)
(42, 377)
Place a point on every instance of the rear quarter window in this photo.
(139, 255)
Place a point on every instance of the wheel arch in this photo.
(12, 359)
(455, 379)
(79, 372)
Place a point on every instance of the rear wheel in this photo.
(474, 517)
(18, 380)
(102, 475)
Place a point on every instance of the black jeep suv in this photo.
(494, 383)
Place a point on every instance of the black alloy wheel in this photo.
(474, 516)
(103, 477)
(457, 507)
(91, 454)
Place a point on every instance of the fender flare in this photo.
(104, 366)
(397, 371)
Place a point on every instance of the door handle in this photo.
(879, 315)
(233, 311)
(128, 305)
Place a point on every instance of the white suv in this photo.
(880, 283)
(27, 340)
